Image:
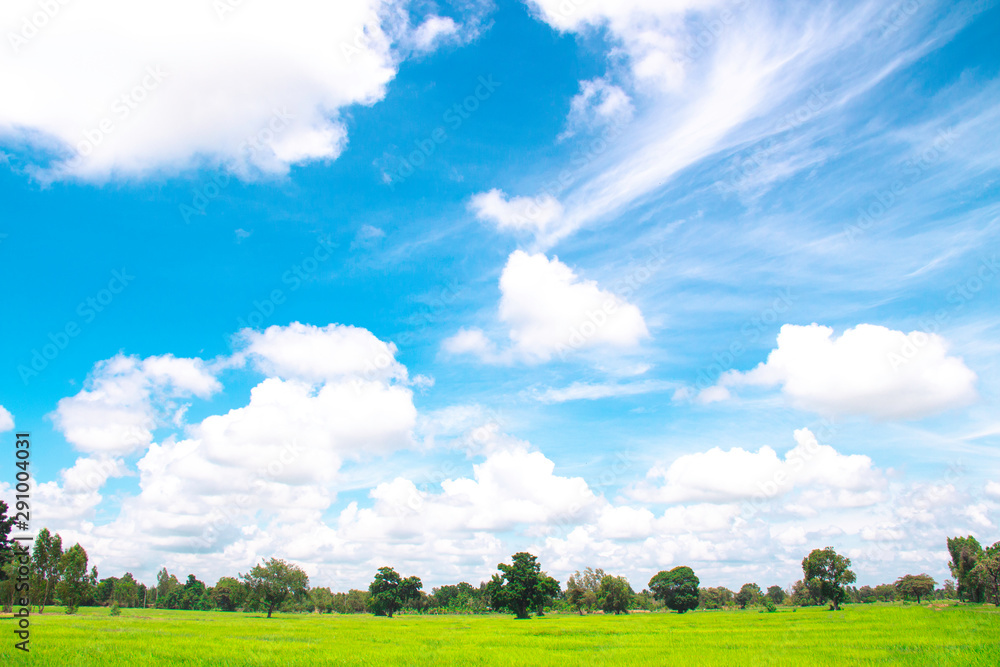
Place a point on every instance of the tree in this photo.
(460, 598)
(776, 594)
(390, 591)
(615, 595)
(45, 561)
(228, 594)
(352, 602)
(6, 523)
(520, 586)
(322, 599)
(749, 594)
(678, 588)
(273, 581)
(917, 585)
(715, 598)
(581, 589)
(73, 571)
(987, 573)
(965, 552)
(829, 572)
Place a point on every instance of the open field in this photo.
(860, 634)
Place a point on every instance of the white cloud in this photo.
(868, 370)
(737, 474)
(125, 398)
(598, 103)
(6, 420)
(470, 341)
(257, 86)
(551, 311)
(992, 489)
(433, 31)
(582, 391)
(318, 354)
(540, 217)
(707, 74)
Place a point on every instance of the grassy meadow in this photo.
(929, 634)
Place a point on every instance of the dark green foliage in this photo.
(6, 523)
(521, 586)
(45, 564)
(615, 595)
(715, 598)
(228, 594)
(826, 572)
(965, 552)
(776, 594)
(582, 589)
(461, 598)
(750, 594)
(389, 591)
(678, 588)
(917, 585)
(273, 581)
(352, 602)
(74, 587)
(986, 573)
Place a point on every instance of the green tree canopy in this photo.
(73, 588)
(748, 594)
(715, 598)
(390, 591)
(273, 581)
(6, 523)
(987, 573)
(228, 594)
(776, 594)
(582, 589)
(322, 599)
(678, 588)
(965, 552)
(45, 562)
(615, 595)
(829, 571)
(917, 585)
(520, 586)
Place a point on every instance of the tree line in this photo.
(521, 588)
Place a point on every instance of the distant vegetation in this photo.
(520, 588)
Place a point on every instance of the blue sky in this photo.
(428, 284)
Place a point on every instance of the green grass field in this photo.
(860, 634)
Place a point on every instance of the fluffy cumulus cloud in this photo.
(538, 218)
(737, 474)
(868, 370)
(320, 354)
(125, 398)
(6, 420)
(513, 486)
(551, 311)
(654, 35)
(256, 86)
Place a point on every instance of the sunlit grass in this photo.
(860, 634)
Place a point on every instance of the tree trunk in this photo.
(269, 610)
(45, 596)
